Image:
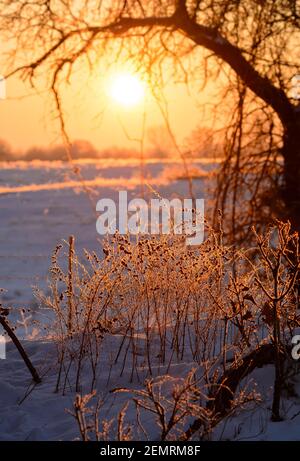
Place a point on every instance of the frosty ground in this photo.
(40, 206)
(36, 412)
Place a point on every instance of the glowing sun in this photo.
(127, 90)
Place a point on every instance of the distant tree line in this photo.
(201, 143)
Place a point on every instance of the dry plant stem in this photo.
(220, 403)
(280, 289)
(20, 348)
(80, 417)
(277, 342)
(160, 301)
(70, 284)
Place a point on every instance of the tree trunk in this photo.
(278, 359)
(291, 171)
(222, 394)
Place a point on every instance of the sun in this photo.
(127, 89)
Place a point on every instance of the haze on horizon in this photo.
(28, 119)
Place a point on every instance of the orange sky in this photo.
(28, 119)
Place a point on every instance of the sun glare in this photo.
(127, 90)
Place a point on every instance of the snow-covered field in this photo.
(43, 203)
(40, 204)
(35, 412)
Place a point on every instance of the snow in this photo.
(40, 204)
(253, 422)
(36, 412)
(41, 415)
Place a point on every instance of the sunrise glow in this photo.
(127, 89)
